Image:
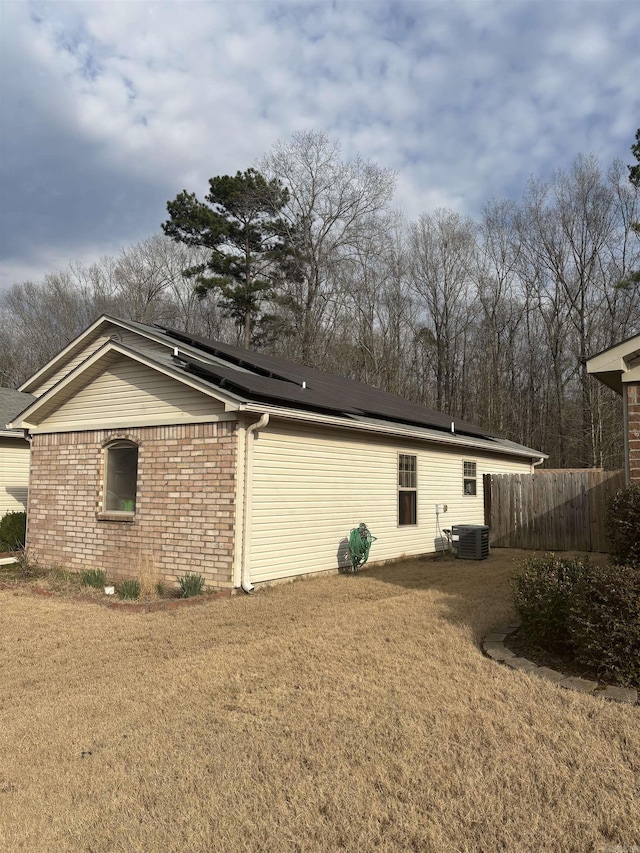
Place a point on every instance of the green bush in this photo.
(624, 526)
(129, 590)
(542, 592)
(604, 621)
(191, 584)
(13, 531)
(93, 577)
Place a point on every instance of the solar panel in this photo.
(281, 380)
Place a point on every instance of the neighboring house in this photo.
(619, 368)
(14, 453)
(155, 447)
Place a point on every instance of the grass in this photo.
(345, 712)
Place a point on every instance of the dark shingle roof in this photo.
(265, 378)
(12, 403)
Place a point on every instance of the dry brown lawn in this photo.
(335, 713)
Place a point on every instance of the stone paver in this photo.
(620, 694)
(507, 628)
(581, 685)
(496, 651)
(522, 664)
(547, 673)
(493, 646)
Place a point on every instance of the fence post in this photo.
(486, 491)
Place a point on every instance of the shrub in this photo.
(542, 591)
(604, 621)
(624, 526)
(13, 531)
(93, 577)
(191, 584)
(129, 590)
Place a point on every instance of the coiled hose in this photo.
(360, 541)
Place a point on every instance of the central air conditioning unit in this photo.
(472, 541)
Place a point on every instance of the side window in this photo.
(469, 479)
(121, 476)
(407, 489)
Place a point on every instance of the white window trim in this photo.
(413, 489)
(466, 478)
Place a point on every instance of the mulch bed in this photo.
(558, 660)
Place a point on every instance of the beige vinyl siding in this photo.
(128, 393)
(123, 336)
(14, 475)
(311, 486)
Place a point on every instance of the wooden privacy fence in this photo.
(559, 511)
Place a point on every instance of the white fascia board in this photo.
(13, 433)
(105, 319)
(632, 375)
(600, 364)
(105, 350)
(52, 365)
(420, 433)
(615, 358)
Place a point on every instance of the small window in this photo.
(469, 478)
(121, 477)
(407, 489)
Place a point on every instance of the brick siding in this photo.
(633, 399)
(185, 504)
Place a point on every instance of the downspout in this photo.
(245, 582)
(535, 464)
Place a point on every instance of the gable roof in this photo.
(617, 364)
(248, 381)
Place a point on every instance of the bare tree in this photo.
(442, 247)
(572, 231)
(332, 205)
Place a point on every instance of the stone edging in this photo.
(494, 647)
(126, 607)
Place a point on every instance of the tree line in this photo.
(304, 256)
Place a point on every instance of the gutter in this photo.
(245, 581)
(421, 433)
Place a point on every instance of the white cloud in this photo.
(118, 106)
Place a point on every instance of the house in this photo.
(153, 446)
(619, 368)
(14, 453)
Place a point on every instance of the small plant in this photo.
(129, 590)
(161, 589)
(93, 577)
(624, 526)
(191, 584)
(604, 621)
(542, 592)
(62, 575)
(13, 529)
(28, 567)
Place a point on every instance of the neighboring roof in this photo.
(11, 404)
(617, 364)
(249, 381)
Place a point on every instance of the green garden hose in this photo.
(360, 541)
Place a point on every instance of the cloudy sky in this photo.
(109, 109)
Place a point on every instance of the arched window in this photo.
(121, 476)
